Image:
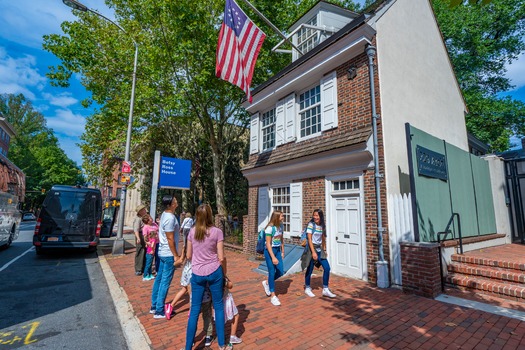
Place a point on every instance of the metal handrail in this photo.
(445, 233)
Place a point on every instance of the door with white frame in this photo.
(346, 234)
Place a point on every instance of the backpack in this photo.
(304, 236)
(261, 240)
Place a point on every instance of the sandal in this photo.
(226, 347)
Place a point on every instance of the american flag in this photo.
(239, 43)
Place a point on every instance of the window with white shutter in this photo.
(296, 209)
(329, 101)
(254, 134)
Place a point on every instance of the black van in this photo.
(70, 218)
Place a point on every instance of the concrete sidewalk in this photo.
(361, 317)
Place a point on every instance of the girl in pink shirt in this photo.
(149, 231)
(205, 249)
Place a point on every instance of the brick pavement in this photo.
(361, 317)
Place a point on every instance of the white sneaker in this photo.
(235, 340)
(328, 293)
(266, 288)
(308, 291)
(275, 301)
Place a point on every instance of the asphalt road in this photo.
(59, 300)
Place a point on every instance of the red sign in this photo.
(126, 167)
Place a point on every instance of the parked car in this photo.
(28, 216)
(9, 219)
(70, 218)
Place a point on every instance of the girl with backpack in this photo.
(274, 254)
(315, 253)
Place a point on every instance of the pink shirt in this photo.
(205, 260)
(145, 232)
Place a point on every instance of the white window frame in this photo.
(280, 206)
(317, 105)
(263, 127)
(308, 38)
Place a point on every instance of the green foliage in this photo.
(481, 39)
(35, 149)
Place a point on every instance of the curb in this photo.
(134, 332)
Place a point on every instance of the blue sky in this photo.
(23, 65)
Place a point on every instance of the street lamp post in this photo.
(118, 245)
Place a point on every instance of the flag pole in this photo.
(272, 26)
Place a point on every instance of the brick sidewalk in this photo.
(361, 317)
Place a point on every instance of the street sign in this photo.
(174, 173)
(125, 179)
(126, 167)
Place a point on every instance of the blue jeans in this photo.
(162, 283)
(198, 283)
(147, 267)
(274, 271)
(310, 269)
(157, 261)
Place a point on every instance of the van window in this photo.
(72, 205)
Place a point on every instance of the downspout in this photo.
(381, 264)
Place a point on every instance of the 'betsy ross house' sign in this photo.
(174, 173)
(431, 164)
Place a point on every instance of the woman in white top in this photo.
(274, 254)
(316, 247)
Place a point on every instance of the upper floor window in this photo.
(307, 38)
(310, 111)
(268, 129)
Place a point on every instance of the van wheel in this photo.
(38, 250)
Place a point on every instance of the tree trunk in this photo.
(218, 179)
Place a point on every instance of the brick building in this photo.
(311, 141)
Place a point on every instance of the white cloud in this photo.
(61, 100)
(26, 21)
(66, 122)
(19, 75)
(516, 72)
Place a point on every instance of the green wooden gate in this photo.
(444, 180)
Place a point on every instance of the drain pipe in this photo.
(381, 264)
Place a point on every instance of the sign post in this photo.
(168, 173)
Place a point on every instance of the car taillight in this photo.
(99, 225)
(37, 226)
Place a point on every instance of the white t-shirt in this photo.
(168, 223)
(187, 223)
(277, 237)
(317, 234)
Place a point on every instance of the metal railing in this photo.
(445, 233)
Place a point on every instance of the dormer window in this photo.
(308, 38)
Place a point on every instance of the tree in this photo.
(35, 149)
(481, 40)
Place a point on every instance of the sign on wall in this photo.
(174, 173)
(431, 164)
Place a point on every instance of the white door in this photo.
(347, 236)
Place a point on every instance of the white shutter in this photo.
(329, 102)
(296, 209)
(279, 123)
(254, 134)
(289, 116)
(263, 215)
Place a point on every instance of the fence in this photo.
(401, 229)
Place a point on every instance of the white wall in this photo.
(417, 84)
(499, 190)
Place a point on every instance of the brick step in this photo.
(495, 273)
(507, 264)
(487, 285)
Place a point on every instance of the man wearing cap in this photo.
(140, 246)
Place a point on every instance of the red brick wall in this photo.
(420, 268)
(249, 228)
(354, 112)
